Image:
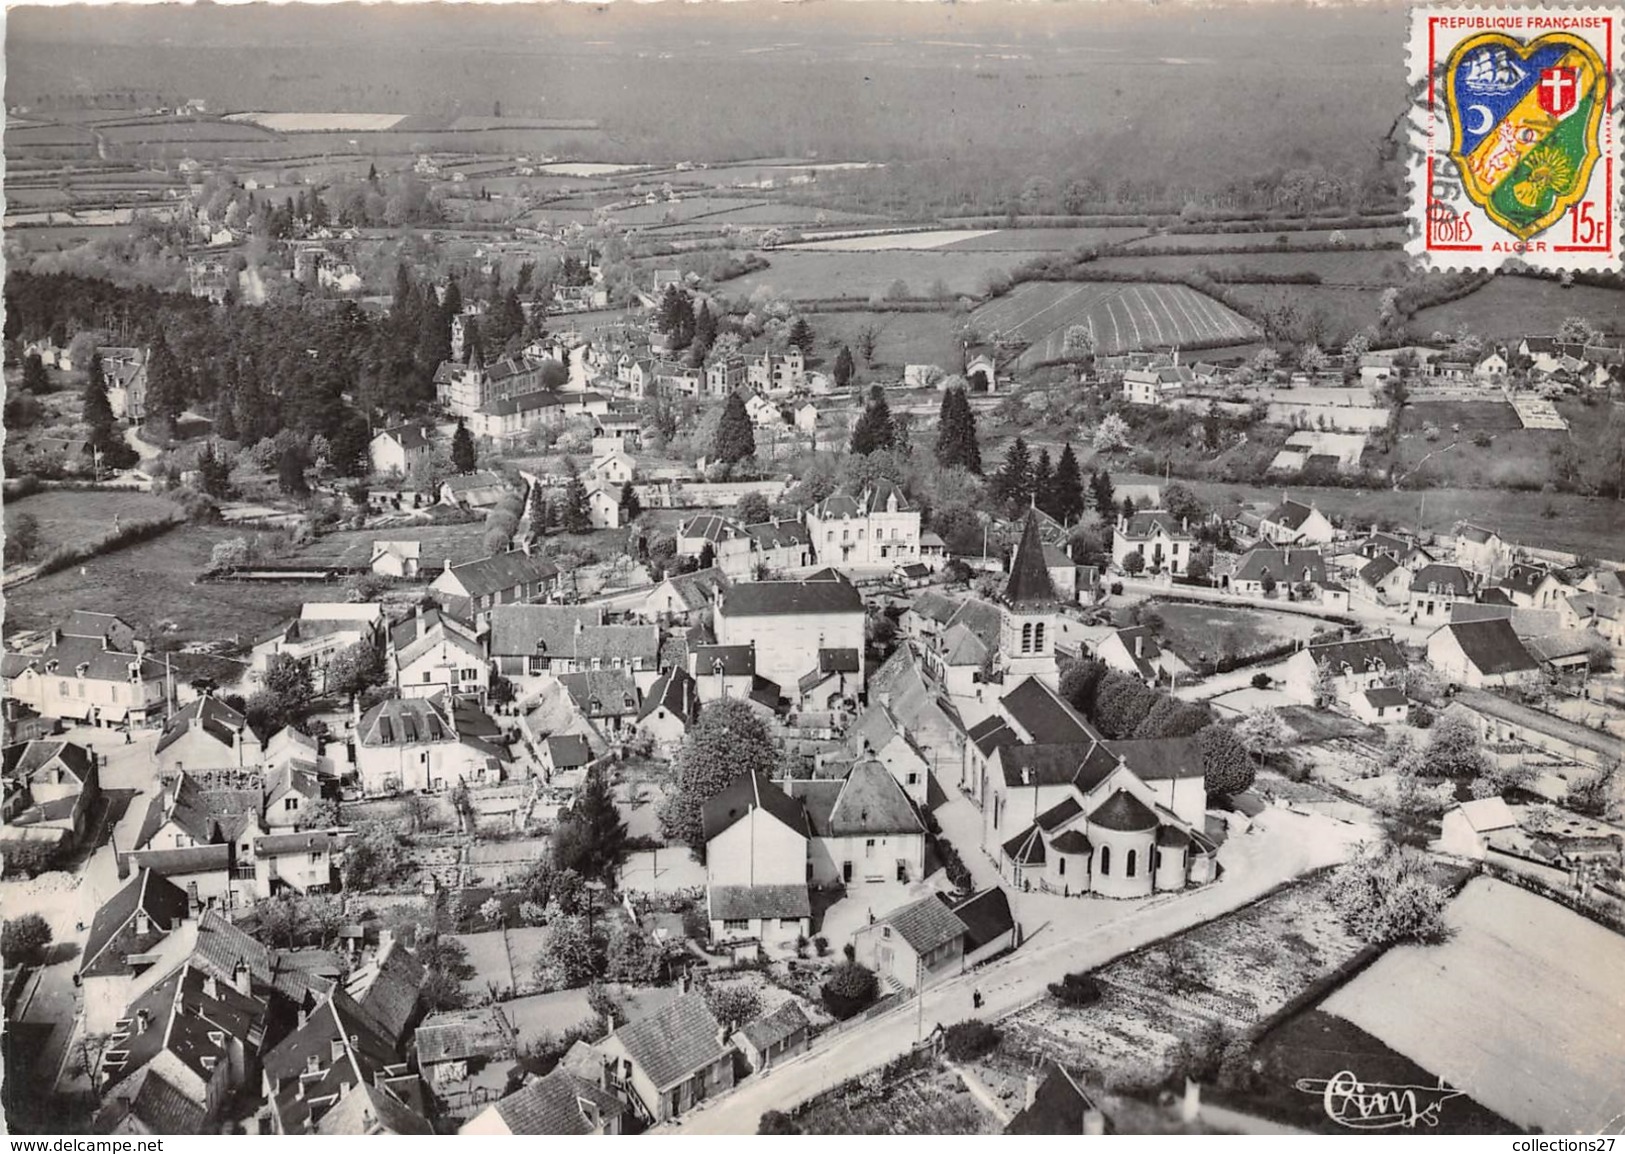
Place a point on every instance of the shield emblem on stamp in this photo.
(1524, 120)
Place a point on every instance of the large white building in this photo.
(798, 627)
(878, 527)
(1160, 540)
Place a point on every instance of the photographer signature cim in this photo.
(1376, 1105)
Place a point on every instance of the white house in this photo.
(794, 625)
(410, 744)
(1294, 523)
(1479, 654)
(878, 527)
(1435, 588)
(756, 868)
(1465, 829)
(1356, 666)
(1161, 541)
(431, 653)
(1384, 705)
(727, 540)
(615, 468)
(397, 450)
(93, 671)
(396, 558)
(1135, 651)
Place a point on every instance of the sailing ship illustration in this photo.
(1494, 72)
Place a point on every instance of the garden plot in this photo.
(1539, 413)
(931, 1101)
(1119, 317)
(1217, 631)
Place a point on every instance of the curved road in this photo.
(1282, 847)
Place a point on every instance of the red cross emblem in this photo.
(1559, 90)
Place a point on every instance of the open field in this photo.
(894, 241)
(1510, 307)
(932, 1101)
(587, 170)
(1521, 980)
(1578, 524)
(152, 586)
(320, 121)
(1194, 632)
(823, 275)
(1236, 970)
(802, 215)
(458, 543)
(82, 517)
(1121, 317)
(1043, 239)
(903, 338)
(1358, 267)
(1221, 240)
(1512, 457)
(1347, 309)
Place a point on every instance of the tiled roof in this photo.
(991, 733)
(1144, 525)
(387, 990)
(1046, 718)
(1378, 568)
(730, 903)
(776, 1026)
(277, 845)
(409, 436)
(1287, 565)
(207, 715)
(552, 1105)
(711, 527)
(925, 924)
(985, 915)
(568, 751)
(675, 692)
(100, 664)
(735, 660)
(871, 802)
(339, 1023)
(501, 572)
(457, 1034)
(1291, 513)
(1083, 763)
(1492, 646)
(28, 758)
(1361, 654)
(698, 589)
(549, 630)
(790, 598)
(1448, 578)
(609, 642)
(934, 605)
(675, 1041)
(1073, 841)
(602, 692)
(370, 1110)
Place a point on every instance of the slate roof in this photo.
(1142, 526)
(1160, 758)
(1361, 654)
(206, 714)
(839, 661)
(552, 1105)
(276, 845)
(698, 589)
(112, 929)
(1290, 513)
(1285, 565)
(711, 527)
(1058, 1107)
(749, 791)
(991, 733)
(405, 721)
(1492, 646)
(790, 598)
(778, 534)
(873, 499)
(100, 664)
(370, 1110)
(1385, 696)
(1377, 569)
(366, 1053)
(1058, 814)
(925, 924)
(1073, 841)
(25, 759)
(730, 903)
(1476, 534)
(674, 1041)
(1029, 586)
(617, 642)
(1084, 763)
(501, 572)
(1124, 812)
(568, 751)
(868, 801)
(776, 1026)
(1149, 650)
(934, 605)
(1447, 577)
(409, 436)
(192, 1017)
(387, 989)
(676, 693)
(163, 1108)
(1046, 718)
(981, 618)
(736, 660)
(985, 915)
(602, 692)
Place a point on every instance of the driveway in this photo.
(1282, 846)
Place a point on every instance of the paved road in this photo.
(1284, 846)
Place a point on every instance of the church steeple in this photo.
(1030, 587)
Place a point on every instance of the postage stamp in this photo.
(1515, 137)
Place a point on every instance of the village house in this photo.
(206, 733)
(1435, 588)
(124, 935)
(322, 631)
(1382, 705)
(682, 597)
(864, 830)
(1135, 651)
(1289, 573)
(94, 671)
(1161, 542)
(559, 1103)
(50, 789)
(730, 547)
(411, 744)
(473, 491)
(338, 1072)
(777, 373)
(876, 528)
(1155, 386)
(125, 372)
(608, 698)
(1382, 580)
(455, 1045)
(399, 450)
(305, 863)
(1355, 666)
(1465, 829)
(724, 374)
(1502, 722)
(915, 946)
(1599, 613)
(1481, 550)
(756, 865)
(721, 671)
(774, 1036)
(1057, 1105)
(1480, 654)
(465, 389)
(471, 590)
(513, 416)
(778, 545)
(793, 624)
(928, 614)
(876, 734)
(666, 1063)
(1294, 523)
(614, 468)
(431, 653)
(183, 1047)
(670, 706)
(398, 559)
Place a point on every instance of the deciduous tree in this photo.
(728, 739)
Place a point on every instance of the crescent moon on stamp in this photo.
(1485, 120)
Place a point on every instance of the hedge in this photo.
(122, 538)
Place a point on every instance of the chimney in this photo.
(211, 988)
(56, 635)
(336, 1049)
(1139, 645)
(1094, 1122)
(143, 923)
(722, 1035)
(1026, 775)
(242, 977)
(1190, 1106)
(418, 613)
(302, 1016)
(194, 905)
(1032, 1092)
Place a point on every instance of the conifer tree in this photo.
(1014, 483)
(874, 429)
(735, 439)
(801, 336)
(576, 515)
(1068, 487)
(165, 399)
(463, 457)
(844, 368)
(957, 446)
(1105, 498)
(630, 505)
(98, 413)
(1043, 489)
